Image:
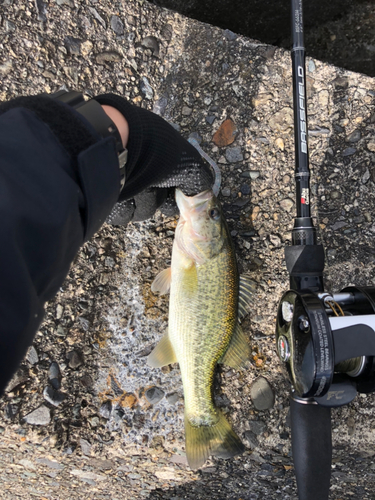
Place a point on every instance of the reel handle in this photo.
(311, 447)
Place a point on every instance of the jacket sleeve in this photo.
(50, 203)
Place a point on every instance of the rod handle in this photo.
(312, 448)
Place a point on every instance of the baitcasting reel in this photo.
(327, 343)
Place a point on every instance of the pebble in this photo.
(106, 409)
(254, 174)
(354, 136)
(32, 355)
(152, 43)
(275, 240)
(54, 375)
(250, 440)
(69, 3)
(186, 111)
(146, 89)
(349, 151)
(117, 25)
(210, 119)
(173, 398)
(258, 427)
(371, 146)
(245, 189)
(225, 191)
(234, 155)
(73, 45)
(53, 397)
(262, 394)
(160, 106)
(338, 225)
(85, 447)
(311, 66)
(225, 134)
(108, 57)
(96, 15)
(40, 416)
(229, 35)
(154, 395)
(287, 204)
(366, 176)
(75, 359)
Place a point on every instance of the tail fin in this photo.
(219, 440)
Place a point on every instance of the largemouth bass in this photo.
(207, 297)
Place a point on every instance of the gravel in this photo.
(92, 343)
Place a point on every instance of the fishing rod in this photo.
(326, 341)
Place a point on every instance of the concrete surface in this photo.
(111, 436)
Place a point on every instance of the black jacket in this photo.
(52, 200)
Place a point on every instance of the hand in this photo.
(159, 160)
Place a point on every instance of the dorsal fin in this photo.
(246, 292)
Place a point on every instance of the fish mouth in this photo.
(186, 203)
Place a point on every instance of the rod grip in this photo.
(312, 448)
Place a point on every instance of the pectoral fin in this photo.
(162, 282)
(247, 289)
(163, 353)
(238, 352)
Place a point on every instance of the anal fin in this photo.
(238, 352)
(162, 354)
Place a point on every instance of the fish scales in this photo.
(203, 324)
(203, 313)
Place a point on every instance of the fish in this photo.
(207, 300)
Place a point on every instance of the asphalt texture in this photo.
(84, 414)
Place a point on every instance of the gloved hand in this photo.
(159, 160)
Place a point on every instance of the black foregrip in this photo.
(312, 449)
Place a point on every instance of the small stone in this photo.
(167, 32)
(349, 151)
(257, 427)
(73, 45)
(69, 3)
(338, 225)
(108, 57)
(311, 66)
(226, 133)
(106, 410)
(229, 35)
(75, 359)
(234, 155)
(11, 411)
(152, 43)
(186, 111)
(275, 240)
(32, 355)
(366, 176)
(371, 147)
(254, 174)
(54, 375)
(40, 416)
(287, 204)
(6, 68)
(160, 106)
(86, 381)
(19, 378)
(86, 48)
(53, 397)
(146, 89)
(225, 191)
(210, 119)
(335, 195)
(129, 400)
(261, 394)
(280, 143)
(282, 120)
(173, 398)
(354, 136)
(117, 25)
(250, 440)
(97, 16)
(245, 189)
(154, 395)
(85, 447)
(61, 331)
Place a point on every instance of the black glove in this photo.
(159, 159)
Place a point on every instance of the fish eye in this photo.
(214, 213)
